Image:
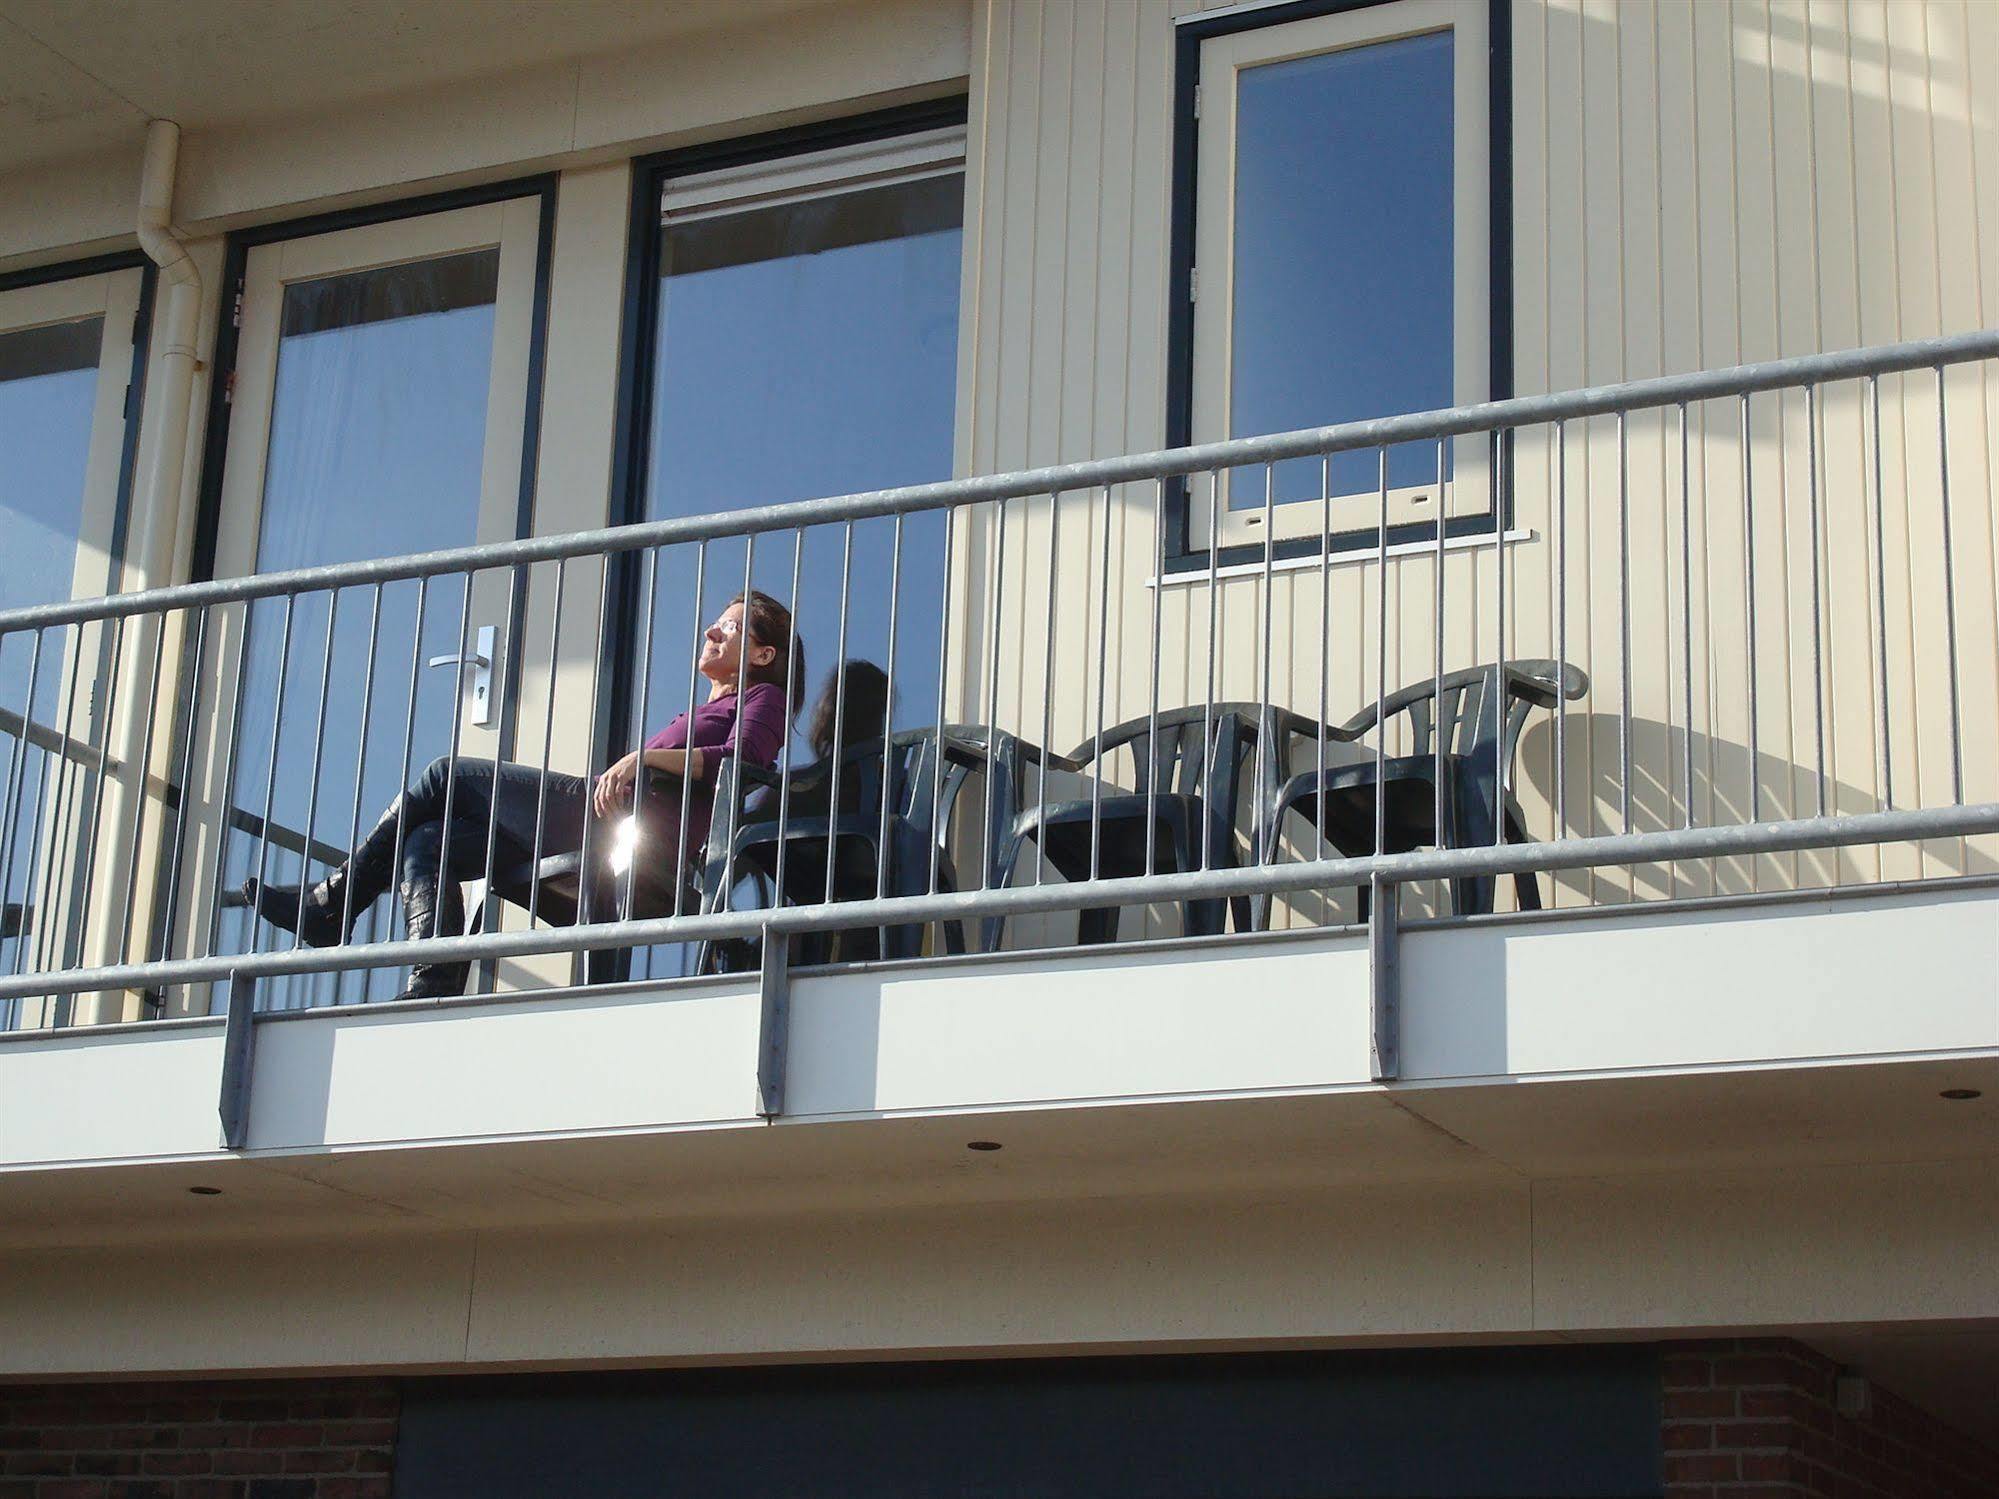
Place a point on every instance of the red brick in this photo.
(73, 1488)
(1702, 1467)
(372, 1487)
(359, 1433)
(1683, 1405)
(39, 1464)
(286, 1434)
(246, 1461)
(320, 1460)
(178, 1463)
(1688, 1436)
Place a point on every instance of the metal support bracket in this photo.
(1384, 972)
(239, 1056)
(774, 1022)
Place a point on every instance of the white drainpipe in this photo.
(159, 490)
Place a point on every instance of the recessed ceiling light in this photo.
(206, 1191)
(982, 1145)
(1958, 1095)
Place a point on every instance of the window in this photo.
(805, 345)
(67, 361)
(1340, 256)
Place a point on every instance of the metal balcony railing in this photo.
(1703, 636)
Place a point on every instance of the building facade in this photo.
(401, 383)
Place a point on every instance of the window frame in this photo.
(1187, 544)
(715, 163)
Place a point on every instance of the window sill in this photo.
(1355, 557)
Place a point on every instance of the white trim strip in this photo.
(1353, 558)
(928, 153)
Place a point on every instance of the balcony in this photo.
(1712, 657)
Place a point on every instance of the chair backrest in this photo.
(1205, 750)
(1467, 714)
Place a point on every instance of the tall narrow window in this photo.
(65, 360)
(807, 346)
(1340, 252)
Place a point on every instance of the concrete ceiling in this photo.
(82, 77)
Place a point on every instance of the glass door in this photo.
(65, 369)
(379, 403)
(807, 346)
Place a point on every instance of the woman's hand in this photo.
(613, 791)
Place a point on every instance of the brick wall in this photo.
(298, 1439)
(1756, 1419)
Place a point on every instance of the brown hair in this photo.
(857, 695)
(767, 622)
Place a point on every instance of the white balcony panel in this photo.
(1072, 1028)
(122, 1095)
(631, 1060)
(1857, 977)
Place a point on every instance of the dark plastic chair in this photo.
(553, 888)
(814, 831)
(1478, 738)
(1187, 779)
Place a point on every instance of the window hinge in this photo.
(1193, 283)
(1197, 101)
(236, 313)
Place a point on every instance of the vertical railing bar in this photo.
(1687, 614)
(1325, 644)
(888, 712)
(1502, 710)
(1152, 692)
(361, 757)
(1561, 635)
(839, 707)
(318, 752)
(498, 672)
(1949, 595)
(15, 772)
(1623, 622)
(457, 729)
(271, 768)
(790, 678)
(38, 885)
(229, 760)
(1437, 746)
(1103, 673)
(17, 776)
(1215, 502)
(1749, 614)
(987, 852)
(1881, 599)
(123, 927)
(59, 808)
(1818, 601)
(82, 920)
(1381, 658)
(686, 778)
(184, 792)
(943, 662)
(1264, 717)
(548, 747)
(641, 711)
(1047, 691)
(749, 640)
(409, 729)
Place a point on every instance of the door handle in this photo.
(481, 677)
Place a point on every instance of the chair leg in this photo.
(1526, 886)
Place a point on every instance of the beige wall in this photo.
(1695, 185)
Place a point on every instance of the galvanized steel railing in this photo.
(1661, 560)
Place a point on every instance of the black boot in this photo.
(315, 911)
(432, 908)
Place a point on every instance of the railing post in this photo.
(1384, 972)
(774, 1022)
(239, 1056)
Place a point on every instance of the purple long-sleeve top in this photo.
(716, 728)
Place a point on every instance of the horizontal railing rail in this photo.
(1688, 636)
(1457, 421)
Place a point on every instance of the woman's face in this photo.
(722, 648)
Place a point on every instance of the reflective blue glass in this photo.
(48, 391)
(377, 445)
(1343, 286)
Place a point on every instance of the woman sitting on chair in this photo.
(751, 642)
